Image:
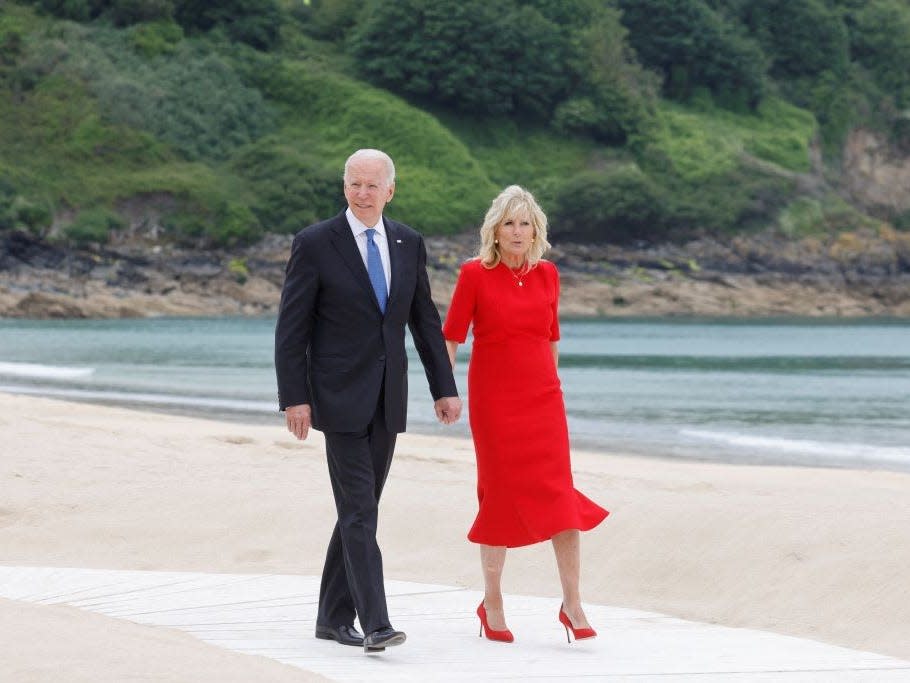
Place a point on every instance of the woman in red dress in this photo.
(518, 420)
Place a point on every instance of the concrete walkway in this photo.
(273, 616)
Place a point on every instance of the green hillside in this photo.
(218, 123)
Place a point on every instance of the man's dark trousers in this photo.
(352, 578)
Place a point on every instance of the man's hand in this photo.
(448, 409)
(299, 420)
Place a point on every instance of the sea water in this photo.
(782, 392)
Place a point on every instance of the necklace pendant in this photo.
(521, 284)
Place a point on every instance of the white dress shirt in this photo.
(380, 239)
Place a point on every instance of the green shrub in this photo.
(804, 216)
(34, 215)
(234, 223)
(618, 205)
(11, 39)
(695, 47)
(615, 96)
(220, 222)
(839, 102)
(328, 19)
(239, 269)
(576, 115)
(187, 224)
(880, 41)
(75, 10)
(254, 22)
(829, 215)
(128, 12)
(93, 225)
(18, 212)
(465, 54)
(739, 200)
(194, 101)
(292, 189)
(802, 38)
(158, 38)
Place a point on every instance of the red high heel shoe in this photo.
(502, 636)
(579, 633)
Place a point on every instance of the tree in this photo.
(254, 22)
(613, 101)
(568, 14)
(468, 54)
(75, 10)
(802, 38)
(128, 12)
(695, 47)
(880, 41)
(121, 12)
(328, 19)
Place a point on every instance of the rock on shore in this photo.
(848, 275)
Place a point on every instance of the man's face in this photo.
(367, 189)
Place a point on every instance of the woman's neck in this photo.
(513, 261)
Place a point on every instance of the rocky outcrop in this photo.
(875, 175)
(862, 273)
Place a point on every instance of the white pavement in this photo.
(273, 616)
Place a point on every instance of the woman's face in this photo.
(515, 234)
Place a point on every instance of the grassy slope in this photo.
(441, 187)
(705, 141)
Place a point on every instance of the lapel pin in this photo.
(398, 241)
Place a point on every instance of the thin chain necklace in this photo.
(518, 278)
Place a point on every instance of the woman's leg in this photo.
(567, 546)
(492, 560)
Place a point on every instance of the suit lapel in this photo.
(344, 243)
(396, 240)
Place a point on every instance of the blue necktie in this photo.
(375, 271)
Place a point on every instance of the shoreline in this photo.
(462, 432)
(816, 553)
(760, 276)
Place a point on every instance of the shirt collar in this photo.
(358, 227)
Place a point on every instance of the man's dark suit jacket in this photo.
(334, 348)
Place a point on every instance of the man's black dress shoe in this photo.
(346, 635)
(380, 639)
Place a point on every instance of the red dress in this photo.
(515, 404)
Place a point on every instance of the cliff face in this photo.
(875, 174)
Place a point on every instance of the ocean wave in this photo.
(786, 364)
(36, 371)
(821, 451)
(164, 400)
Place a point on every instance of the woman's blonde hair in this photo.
(509, 202)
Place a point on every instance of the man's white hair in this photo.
(371, 155)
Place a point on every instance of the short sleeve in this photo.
(461, 308)
(554, 326)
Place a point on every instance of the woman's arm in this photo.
(554, 347)
(451, 347)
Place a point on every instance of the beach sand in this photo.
(813, 553)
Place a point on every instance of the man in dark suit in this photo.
(352, 284)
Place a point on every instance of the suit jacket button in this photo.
(381, 356)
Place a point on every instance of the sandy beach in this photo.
(814, 553)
